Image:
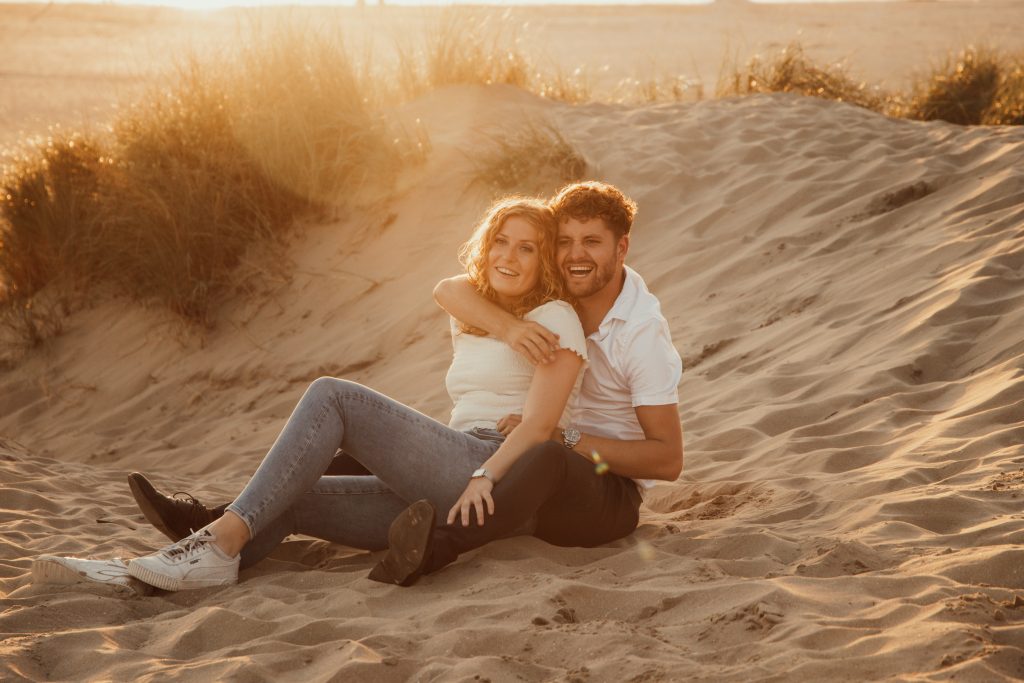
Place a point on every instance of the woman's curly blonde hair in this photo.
(474, 253)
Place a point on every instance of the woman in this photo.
(511, 260)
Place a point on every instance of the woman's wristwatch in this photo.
(482, 473)
(570, 437)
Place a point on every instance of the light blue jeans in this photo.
(410, 455)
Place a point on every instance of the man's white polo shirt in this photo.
(632, 363)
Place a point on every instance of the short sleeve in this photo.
(560, 318)
(653, 367)
(455, 329)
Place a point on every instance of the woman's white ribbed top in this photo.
(488, 380)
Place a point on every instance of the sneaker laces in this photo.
(189, 545)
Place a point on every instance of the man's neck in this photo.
(595, 307)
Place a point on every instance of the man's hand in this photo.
(534, 341)
(508, 423)
(477, 493)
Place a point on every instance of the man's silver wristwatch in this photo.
(482, 473)
(570, 437)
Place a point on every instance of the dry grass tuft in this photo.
(470, 47)
(1007, 108)
(164, 204)
(313, 118)
(571, 88)
(974, 86)
(29, 325)
(677, 88)
(464, 48)
(960, 91)
(791, 71)
(49, 200)
(532, 159)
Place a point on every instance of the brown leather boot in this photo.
(175, 516)
(408, 545)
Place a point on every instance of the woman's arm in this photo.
(550, 388)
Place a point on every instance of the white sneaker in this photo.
(113, 573)
(193, 562)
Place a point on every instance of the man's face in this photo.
(589, 256)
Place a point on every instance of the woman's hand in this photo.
(476, 495)
(534, 341)
(508, 423)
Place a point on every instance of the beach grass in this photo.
(534, 158)
(961, 90)
(467, 46)
(791, 71)
(470, 49)
(162, 205)
(973, 86)
(230, 150)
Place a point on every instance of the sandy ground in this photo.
(846, 291)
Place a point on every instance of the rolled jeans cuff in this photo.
(246, 519)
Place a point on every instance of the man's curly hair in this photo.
(593, 199)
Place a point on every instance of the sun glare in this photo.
(214, 5)
(208, 6)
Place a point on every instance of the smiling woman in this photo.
(510, 258)
(514, 260)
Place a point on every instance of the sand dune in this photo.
(846, 291)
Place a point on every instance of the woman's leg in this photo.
(412, 454)
(351, 510)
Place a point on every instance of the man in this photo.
(582, 488)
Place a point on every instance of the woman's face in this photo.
(513, 263)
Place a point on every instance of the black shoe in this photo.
(408, 545)
(176, 517)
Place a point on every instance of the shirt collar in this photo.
(623, 305)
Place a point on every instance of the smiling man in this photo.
(583, 487)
